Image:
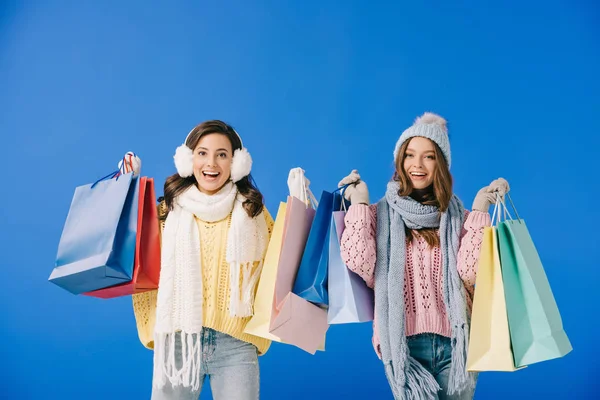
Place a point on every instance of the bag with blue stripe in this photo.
(311, 280)
(97, 245)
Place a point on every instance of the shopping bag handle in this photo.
(500, 203)
(109, 176)
(311, 200)
(343, 189)
(126, 167)
(499, 207)
(127, 163)
(496, 215)
(310, 197)
(513, 206)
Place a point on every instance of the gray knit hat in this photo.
(432, 127)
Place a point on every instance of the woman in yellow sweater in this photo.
(214, 240)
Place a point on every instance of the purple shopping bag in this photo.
(350, 299)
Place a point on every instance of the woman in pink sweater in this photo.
(418, 248)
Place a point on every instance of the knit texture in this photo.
(144, 304)
(216, 293)
(394, 256)
(406, 376)
(424, 309)
(432, 127)
(180, 296)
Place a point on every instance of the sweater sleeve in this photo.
(270, 222)
(470, 246)
(269, 219)
(257, 268)
(144, 309)
(144, 304)
(358, 245)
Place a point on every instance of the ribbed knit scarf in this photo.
(406, 376)
(179, 301)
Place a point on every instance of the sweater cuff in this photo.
(477, 220)
(358, 212)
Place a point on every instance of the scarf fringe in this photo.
(165, 365)
(407, 377)
(460, 379)
(180, 296)
(418, 383)
(389, 373)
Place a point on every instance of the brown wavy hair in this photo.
(438, 194)
(175, 184)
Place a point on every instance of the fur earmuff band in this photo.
(241, 163)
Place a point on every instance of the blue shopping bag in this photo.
(311, 280)
(97, 245)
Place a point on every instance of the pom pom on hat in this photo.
(431, 118)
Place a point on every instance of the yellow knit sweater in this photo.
(215, 280)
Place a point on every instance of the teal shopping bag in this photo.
(535, 324)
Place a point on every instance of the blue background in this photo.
(328, 86)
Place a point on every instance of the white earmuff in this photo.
(241, 163)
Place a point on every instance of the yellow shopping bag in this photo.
(489, 342)
(279, 315)
(263, 301)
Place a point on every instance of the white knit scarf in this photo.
(179, 302)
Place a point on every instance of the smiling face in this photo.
(420, 162)
(212, 162)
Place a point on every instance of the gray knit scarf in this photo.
(406, 376)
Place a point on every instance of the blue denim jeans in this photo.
(434, 352)
(230, 364)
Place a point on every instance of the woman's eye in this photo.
(223, 155)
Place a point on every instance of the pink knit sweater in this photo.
(424, 305)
